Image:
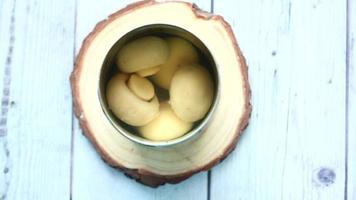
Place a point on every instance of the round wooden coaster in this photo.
(156, 166)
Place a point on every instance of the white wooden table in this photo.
(301, 141)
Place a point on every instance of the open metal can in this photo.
(108, 69)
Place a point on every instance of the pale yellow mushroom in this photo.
(191, 92)
(141, 87)
(166, 126)
(142, 53)
(126, 105)
(181, 52)
(148, 71)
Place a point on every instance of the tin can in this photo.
(108, 69)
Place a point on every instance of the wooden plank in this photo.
(6, 11)
(351, 131)
(294, 147)
(92, 178)
(6, 8)
(36, 100)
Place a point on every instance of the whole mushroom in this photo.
(133, 109)
(191, 92)
(181, 52)
(143, 53)
(166, 126)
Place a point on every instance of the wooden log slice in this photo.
(156, 166)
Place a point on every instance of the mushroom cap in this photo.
(166, 126)
(191, 92)
(142, 53)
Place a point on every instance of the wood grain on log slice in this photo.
(156, 166)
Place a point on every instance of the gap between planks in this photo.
(73, 115)
(347, 82)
